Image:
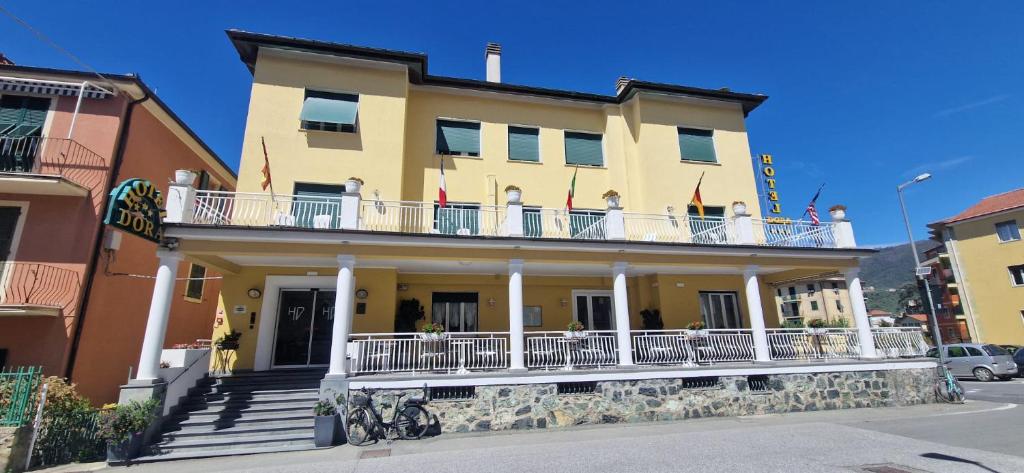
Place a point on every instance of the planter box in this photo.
(326, 430)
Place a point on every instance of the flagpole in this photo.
(816, 194)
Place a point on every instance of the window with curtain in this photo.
(697, 145)
(1017, 275)
(329, 111)
(196, 283)
(457, 138)
(583, 149)
(1008, 231)
(523, 144)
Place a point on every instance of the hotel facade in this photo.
(337, 265)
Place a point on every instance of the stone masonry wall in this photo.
(527, 406)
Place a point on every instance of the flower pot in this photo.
(184, 177)
(700, 333)
(817, 331)
(613, 201)
(353, 186)
(125, 450)
(571, 335)
(739, 208)
(838, 214)
(514, 196)
(326, 430)
(228, 345)
(432, 337)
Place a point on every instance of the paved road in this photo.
(995, 391)
(975, 437)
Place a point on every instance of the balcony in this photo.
(349, 212)
(49, 166)
(33, 289)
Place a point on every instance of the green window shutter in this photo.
(312, 200)
(327, 107)
(194, 288)
(454, 217)
(697, 145)
(583, 149)
(22, 116)
(458, 138)
(523, 144)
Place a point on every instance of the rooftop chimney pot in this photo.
(493, 57)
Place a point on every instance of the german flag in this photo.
(696, 201)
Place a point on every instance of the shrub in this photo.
(119, 421)
(816, 323)
(696, 326)
(324, 407)
(840, 322)
(575, 326)
(793, 324)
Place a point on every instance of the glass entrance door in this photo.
(456, 311)
(720, 310)
(594, 309)
(305, 319)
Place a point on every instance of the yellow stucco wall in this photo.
(996, 304)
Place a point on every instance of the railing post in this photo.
(758, 331)
(159, 311)
(614, 223)
(350, 202)
(343, 303)
(860, 313)
(514, 220)
(515, 315)
(843, 230)
(181, 202)
(620, 301)
(743, 225)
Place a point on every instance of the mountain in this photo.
(891, 268)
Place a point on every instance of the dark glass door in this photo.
(304, 323)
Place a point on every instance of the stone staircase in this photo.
(240, 414)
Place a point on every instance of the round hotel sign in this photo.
(137, 207)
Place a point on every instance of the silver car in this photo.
(983, 362)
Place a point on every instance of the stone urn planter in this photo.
(185, 177)
(514, 195)
(574, 335)
(838, 212)
(739, 208)
(353, 185)
(613, 199)
(326, 430)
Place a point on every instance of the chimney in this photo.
(621, 84)
(493, 55)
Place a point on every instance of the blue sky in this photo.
(863, 95)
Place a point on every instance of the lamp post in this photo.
(933, 321)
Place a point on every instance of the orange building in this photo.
(73, 293)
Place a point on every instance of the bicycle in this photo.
(409, 419)
(947, 388)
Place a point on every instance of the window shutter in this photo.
(523, 144)
(583, 149)
(458, 137)
(328, 107)
(697, 145)
(312, 200)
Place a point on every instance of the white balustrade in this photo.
(412, 352)
(795, 234)
(813, 344)
(265, 210)
(899, 342)
(553, 350)
(689, 347)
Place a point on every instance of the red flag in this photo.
(442, 189)
(266, 167)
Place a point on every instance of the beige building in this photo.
(987, 259)
(803, 300)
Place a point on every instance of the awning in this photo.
(341, 110)
(53, 87)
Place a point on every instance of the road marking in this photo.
(1004, 407)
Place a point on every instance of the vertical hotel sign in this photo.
(136, 207)
(769, 192)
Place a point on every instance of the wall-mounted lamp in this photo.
(254, 293)
(491, 302)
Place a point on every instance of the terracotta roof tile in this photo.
(990, 205)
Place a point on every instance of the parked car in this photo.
(983, 362)
(1018, 357)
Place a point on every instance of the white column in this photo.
(843, 231)
(515, 315)
(350, 202)
(342, 315)
(756, 311)
(860, 313)
(621, 301)
(743, 225)
(159, 311)
(514, 219)
(615, 224)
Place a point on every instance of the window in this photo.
(457, 219)
(995, 350)
(1017, 275)
(970, 350)
(533, 224)
(792, 290)
(814, 305)
(697, 145)
(329, 111)
(956, 352)
(577, 387)
(586, 224)
(1008, 231)
(194, 288)
(455, 311)
(810, 288)
(835, 285)
(759, 383)
(22, 116)
(8, 225)
(455, 138)
(452, 393)
(700, 382)
(317, 205)
(523, 144)
(710, 229)
(583, 149)
(720, 310)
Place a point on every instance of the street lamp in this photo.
(933, 321)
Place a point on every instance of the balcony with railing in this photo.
(46, 165)
(37, 289)
(349, 212)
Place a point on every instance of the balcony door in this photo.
(720, 310)
(456, 311)
(593, 309)
(21, 125)
(317, 205)
(305, 318)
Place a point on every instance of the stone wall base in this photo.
(529, 406)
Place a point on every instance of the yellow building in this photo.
(987, 259)
(351, 248)
(803, 300)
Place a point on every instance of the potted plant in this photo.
(575, 330)
(816, 327)
(409, 311)
(696, 329)
(228, 341)
(838, 212)
(185, 177)
(325, 423)
(514, 194)
(432, 332)
(122, 426)
(613, 198)
(739, 207)
(353, 184)
(652, 319)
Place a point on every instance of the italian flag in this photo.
(572, 190)
(442, 189)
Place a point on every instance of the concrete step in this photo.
(193, 405)
(223, 422)
(286, 427)
(257, 396)
(274, 387)
(297, 377)
(193, 454)
(279, 440)
(246, 408)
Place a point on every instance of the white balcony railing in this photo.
(264, 210)
(795, 234)
(552, 350)
(899, 342)
(410, 352)
(813, 344)
(689, 348)
(679, 229)
(427, 217)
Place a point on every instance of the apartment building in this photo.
(826, 299)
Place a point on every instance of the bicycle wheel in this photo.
(359, 427)
(412, 422)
